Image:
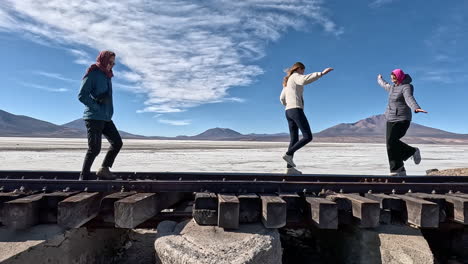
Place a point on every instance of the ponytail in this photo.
(291, 70)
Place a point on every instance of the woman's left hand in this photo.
(419, 110)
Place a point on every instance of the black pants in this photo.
(297, 120)
(95, 129)
(397, 150)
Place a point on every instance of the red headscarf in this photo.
(102, 61)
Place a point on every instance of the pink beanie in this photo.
(399, 74)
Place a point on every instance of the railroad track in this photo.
(28, 198)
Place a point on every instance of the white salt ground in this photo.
(222, 156)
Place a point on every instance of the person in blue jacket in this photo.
(96, 95)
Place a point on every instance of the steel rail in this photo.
(203, 176)
(8, 185)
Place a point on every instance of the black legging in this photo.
(297, 120)
(397, 150)
(95, 129)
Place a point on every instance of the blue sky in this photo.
(184, 67)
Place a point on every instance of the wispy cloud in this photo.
(379, 3)
(175, 122)
(447, 48)
(82, 57)
(43, 87)
(180, 53)
(56, 76)
(445, 76)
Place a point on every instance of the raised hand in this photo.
(327, 70)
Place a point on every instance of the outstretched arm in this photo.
(383, 83)
(309, 78)
(409, 99)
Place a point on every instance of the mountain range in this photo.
(368, 130)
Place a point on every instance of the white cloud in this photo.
(175, 122)
(441, 75)
(56, 76)
(45, 88)
(82, 57)
(379, 3)
(446, 45)
(180, 53)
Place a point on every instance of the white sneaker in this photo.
(293, 171)
(417, 156)
(400, 172)
(289, 159)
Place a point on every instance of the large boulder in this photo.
(190, 243)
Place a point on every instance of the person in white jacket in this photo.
(292, 98)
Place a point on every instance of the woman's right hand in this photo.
(327, 70)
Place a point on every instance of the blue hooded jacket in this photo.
(96, 95)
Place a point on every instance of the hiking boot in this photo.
(399, 172)
(105, 174)
(417, 156)
(289, 160)
(293, 171)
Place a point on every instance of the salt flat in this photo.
(222, 156)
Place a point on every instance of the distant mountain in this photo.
(23, 126)
(373, 129)
(79, 125)
(368, 130)
(218, 134)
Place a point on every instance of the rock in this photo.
(390, 244)
(448, 172)
(53, 245)
(190, 243)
